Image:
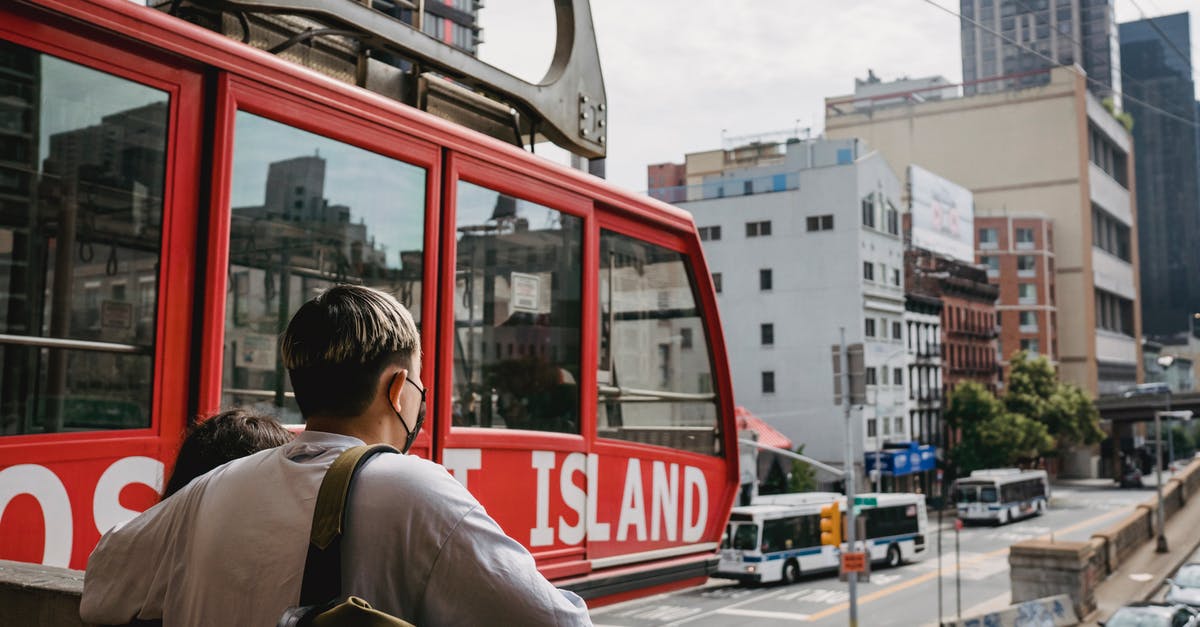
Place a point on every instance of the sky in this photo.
(681, 74)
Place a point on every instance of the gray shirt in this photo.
(229, 548)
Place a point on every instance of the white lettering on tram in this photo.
(459, 461)
(106, 502)
(44, 486)
(633, 504)
(665, 518)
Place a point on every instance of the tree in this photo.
(1034, 391)
(990, 435)
(803, 477)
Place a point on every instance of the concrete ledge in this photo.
(1053, 611)
(32, 594)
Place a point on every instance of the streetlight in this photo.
(1185, 415)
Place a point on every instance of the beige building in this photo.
(1051, 150)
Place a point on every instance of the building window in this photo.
(1109, 234)
(1114, 313)
(768, 382)
(767, 334)
(870, 427)
(819, 223)
(1029, 344)
(887, 425)
(710, 233)
(758, 229)
(893, 219)
(1024, 239)
(869, 328)
(897, 331)
(868, 210)
(685, 338)
(1026, 266)
(899, 425)
(896, 277)
(1028, 321)
(992, 263)
(1106, 155)
(884, 373)
(868, 271)
(716, 277)
(1027, 293)
(898, 376)
(747, 188)
(988, 238)
(872, 375)
(764, 279)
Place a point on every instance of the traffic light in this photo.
(831, 524)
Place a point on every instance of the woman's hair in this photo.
(223, 438)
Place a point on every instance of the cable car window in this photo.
(309, 212)
(82, 164)
(651, 389)
(517, 313)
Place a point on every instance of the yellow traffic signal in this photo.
(831, 524)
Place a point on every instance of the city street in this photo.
(902, 596)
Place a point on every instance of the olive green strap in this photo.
(329, 515)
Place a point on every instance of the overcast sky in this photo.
(680, 72)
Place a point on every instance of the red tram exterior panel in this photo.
(608, 517)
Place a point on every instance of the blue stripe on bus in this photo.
(782, 555)
(891, 539)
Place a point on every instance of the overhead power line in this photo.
(1146, 105)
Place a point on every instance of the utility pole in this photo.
(851, 525)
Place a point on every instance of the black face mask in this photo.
(410, 436)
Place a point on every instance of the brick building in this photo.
(1018, 252)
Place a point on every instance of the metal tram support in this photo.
(359, 44)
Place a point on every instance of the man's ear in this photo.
(396, 386)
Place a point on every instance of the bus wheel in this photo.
(791, 572)
(893, 556)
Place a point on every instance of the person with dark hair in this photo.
(220, 439)
(230, 547)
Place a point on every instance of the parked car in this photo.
(1153, 615)
(1184, 587)
(1146, 389)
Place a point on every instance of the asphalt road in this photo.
(907, 595)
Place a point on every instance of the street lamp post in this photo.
(1161, 541)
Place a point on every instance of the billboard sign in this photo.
(943, 215)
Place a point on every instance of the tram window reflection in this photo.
(309, 212)
(517, 313)
(654, 374)
(82, 164)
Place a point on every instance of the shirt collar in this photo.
(311, 443)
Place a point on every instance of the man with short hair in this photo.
(230, 547)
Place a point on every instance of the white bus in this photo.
(778, 542)
(1002, 494)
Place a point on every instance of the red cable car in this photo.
(168, 198)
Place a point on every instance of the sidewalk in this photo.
(1130, 582)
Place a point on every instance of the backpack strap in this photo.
(323, 566)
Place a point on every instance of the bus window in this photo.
(745, 537)
(654, 373)
(966, 494)
(987, 494)
(82, 164)
(517, 313)
(309, 212)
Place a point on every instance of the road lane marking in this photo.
(727, 607)
(879, 594)
(765, 614)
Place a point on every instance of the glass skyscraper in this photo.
(1167, 167)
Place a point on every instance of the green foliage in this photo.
(1034, 391)
(991, 435)
(803, 477)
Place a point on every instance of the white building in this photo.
(804, 241)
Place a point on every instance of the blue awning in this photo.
(903, 461)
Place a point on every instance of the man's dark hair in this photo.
(220, 439)
(337, 345)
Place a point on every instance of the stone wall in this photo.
(32, 594)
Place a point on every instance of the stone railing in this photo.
(1040, 568)
(32, 594)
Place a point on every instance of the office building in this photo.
(1053, 151)
(1037, 35)
(803, 239)
(1168, 169)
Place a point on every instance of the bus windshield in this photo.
(967, 494)
(745, 537)
(987, 495)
